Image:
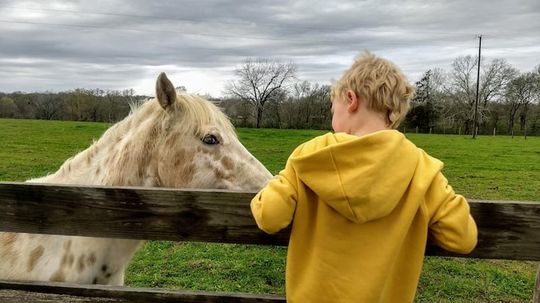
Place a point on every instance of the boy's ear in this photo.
(352, 101)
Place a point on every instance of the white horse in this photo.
(174, 140)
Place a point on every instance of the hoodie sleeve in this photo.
(451, 224)
(273, 207)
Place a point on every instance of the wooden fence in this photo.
(507, 230)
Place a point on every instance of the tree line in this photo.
(508, 101)
(268, 93)
(94, 105)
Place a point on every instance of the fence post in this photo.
(536, 296)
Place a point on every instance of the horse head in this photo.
(198, 147)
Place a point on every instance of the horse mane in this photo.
(198, 113)
(202, 112)
(128, 142)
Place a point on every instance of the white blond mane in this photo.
(200, 112)
(129, 142)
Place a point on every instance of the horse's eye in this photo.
(210, 140)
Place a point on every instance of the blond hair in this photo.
(380, 83)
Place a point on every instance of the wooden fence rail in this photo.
(507, 229)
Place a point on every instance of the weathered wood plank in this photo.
(536, 295)
(18, 292)
(131, 213)
(508, 230)
(21, 296)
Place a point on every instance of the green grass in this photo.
(33, 148)
(486, 168)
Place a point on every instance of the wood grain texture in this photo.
(536, 295)
(507, 229)
(18, 292)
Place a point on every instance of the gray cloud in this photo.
(60, 45)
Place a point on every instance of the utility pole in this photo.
(475, 126)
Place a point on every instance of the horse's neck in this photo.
(83, 168)
(112, 160)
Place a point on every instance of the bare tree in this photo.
(76, 103)
(495, 76)
(8, 108)
(273, 118)
(462, 88)
(258, 80)
(48, 105)
(535, 118)
(520, 93)
(316, 105)
(308, 106)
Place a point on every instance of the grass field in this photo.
(486, 168)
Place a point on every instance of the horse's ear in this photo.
(165, 91)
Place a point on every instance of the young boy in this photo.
(363, 200)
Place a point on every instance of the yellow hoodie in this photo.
(362, 208)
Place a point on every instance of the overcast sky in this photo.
(61, 45)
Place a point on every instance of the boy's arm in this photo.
(451, 224)
(273, 207)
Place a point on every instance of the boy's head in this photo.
(378, 83)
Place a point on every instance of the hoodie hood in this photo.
(364, 177)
